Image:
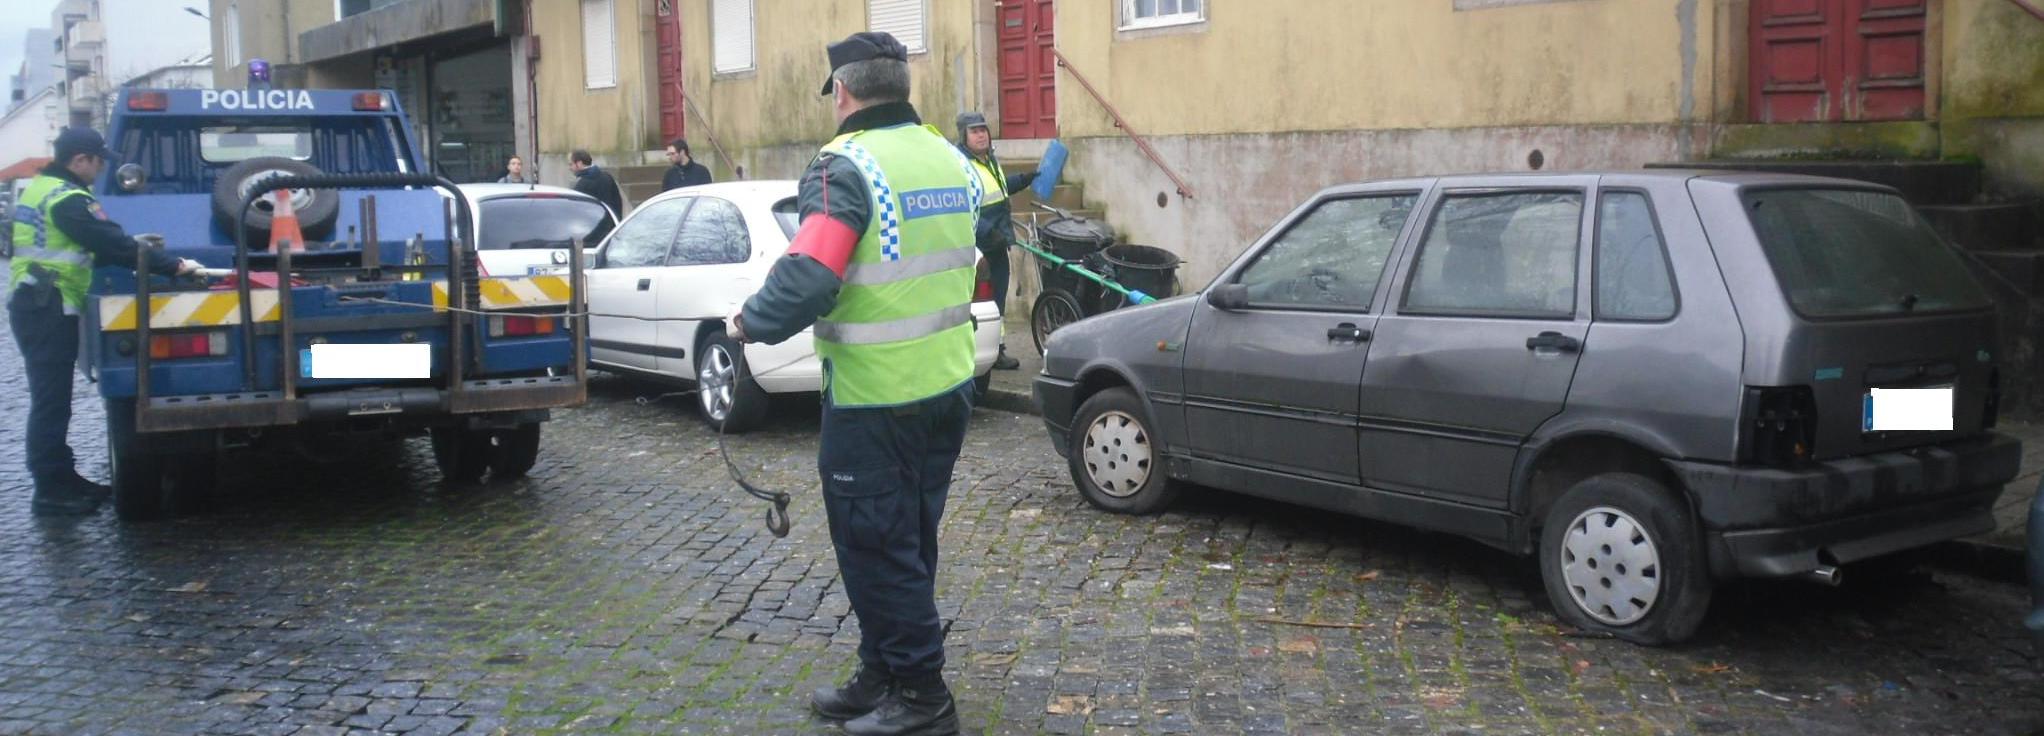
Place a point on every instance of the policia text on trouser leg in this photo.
(887, 282)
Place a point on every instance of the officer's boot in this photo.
(859, 695)
(920, 706)
(1005, 362)
(57, 498)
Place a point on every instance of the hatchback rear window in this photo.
(541, 222)
(1854, 253)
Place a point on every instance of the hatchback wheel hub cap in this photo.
(713, 382)
(1611, 566)
(1117, 454)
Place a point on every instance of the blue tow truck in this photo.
(377, 325)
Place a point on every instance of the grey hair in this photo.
(874, 80)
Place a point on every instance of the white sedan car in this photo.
(526, 228)
(690, 257)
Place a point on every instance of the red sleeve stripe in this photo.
(827, 240)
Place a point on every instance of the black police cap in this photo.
(74, 141)
(863, 46)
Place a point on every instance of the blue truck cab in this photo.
(377, 323)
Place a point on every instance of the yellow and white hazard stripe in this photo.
(221, 308)
(514, 292)
(186, 309)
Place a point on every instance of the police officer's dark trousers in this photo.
(886, 475)
(48, 339)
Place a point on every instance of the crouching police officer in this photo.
(883, 266)
(59, 231)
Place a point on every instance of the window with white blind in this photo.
(599, 44)
(230, 31)
(731, 35)
(903, 19)
(1154, 13)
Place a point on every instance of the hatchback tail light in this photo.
(1990, 415)
(983, 284)
(1780, 426)
(515, 326)
(187, 345)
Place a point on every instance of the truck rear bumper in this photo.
(270, 408)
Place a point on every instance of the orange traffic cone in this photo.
(284, 223)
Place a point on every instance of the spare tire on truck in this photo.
(317, 209)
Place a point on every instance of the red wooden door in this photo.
(1837, 60)
(1028, 69)
(673, 121)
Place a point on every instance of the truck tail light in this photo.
(369, 101)
(149, 101)
(187, 345)
(510, 326)
(1780, 426)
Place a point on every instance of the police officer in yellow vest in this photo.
(59, 233)
(996, 229)
(883, 267)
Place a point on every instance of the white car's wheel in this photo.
(730, 400)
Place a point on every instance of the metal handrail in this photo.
(1184, 190)
(708, 134)
(2030, 8)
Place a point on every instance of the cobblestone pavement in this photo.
(626, 587)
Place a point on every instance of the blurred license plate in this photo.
(410, 360)
(544, 270)
(1907, 410)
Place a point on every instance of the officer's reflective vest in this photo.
(902, 328)
(36, 242)
(992, 179)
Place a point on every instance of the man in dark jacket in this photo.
(996, 229)
(685, 172)
(592, 180)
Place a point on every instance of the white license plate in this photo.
(544, 270)
(1907, 410)
(410, 360)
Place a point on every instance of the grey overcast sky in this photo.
(141, 34)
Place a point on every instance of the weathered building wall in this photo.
(1258, 107)
(770, 119)
(1993, 92)
(616, 124)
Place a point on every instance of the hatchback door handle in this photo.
(645, 284)
(1553, 341)
(1348, 332)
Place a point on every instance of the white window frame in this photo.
(718, 63)
(231, 32)
(918, 45)
(590, 80)
(1129, 21)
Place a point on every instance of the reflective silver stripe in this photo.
(33, 253)
(874, 333)
(887, 272)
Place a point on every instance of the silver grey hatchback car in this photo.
(1651, 380)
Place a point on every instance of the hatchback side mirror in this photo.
(1228, 297)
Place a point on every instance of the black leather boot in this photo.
(1005, 362)
(859, 695)
(919, 707)
(56, 499)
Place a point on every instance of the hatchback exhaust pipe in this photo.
(1828, 575)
